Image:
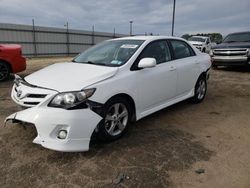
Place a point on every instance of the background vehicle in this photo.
(11, 60)
(200, 42)
(107, 87)
(233, 51)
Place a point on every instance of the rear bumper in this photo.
(79, 125)
(230, 60)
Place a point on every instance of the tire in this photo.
(200, 90)
(116, 119)
(4, 71)
(204, 50)
(215, 67)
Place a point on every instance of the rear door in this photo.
(187, 65)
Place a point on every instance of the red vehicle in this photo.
(11, 60)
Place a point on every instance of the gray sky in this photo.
(154, 16)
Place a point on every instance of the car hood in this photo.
(67, 76)
(10, 46)
(195, 43)
(233, 45)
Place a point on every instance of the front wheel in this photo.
(116, 118)
(4, 71)
(200, 90)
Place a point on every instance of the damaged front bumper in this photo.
(79, 125)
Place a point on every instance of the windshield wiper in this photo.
(92, 63)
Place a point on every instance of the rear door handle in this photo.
(172, 68)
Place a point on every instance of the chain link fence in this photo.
(50, 41)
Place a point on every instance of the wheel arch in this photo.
(130, 101)
(203, 74)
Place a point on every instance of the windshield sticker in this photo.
(132, 46)
(116, 62)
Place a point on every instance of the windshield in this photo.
(197, 39)
(109, 53)
(238, 37)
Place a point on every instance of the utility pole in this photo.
(173, 19)
(131, 27)
(34, 36)
(114, 33)
(93, 35)
(67, 36)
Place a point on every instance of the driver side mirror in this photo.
(147, 63)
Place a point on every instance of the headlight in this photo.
(211, 53)
(71, 99)
(18, 80)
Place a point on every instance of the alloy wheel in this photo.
(201, 90)
(116, 119)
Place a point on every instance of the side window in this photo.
(158, 50)
(207, 41)
(181, 49)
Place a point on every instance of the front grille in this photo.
(36, 96)
(31, 103)
(28, 96)
(231, 52)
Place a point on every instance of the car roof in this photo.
(243, 32)
(147, 38)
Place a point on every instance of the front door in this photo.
(156, 85)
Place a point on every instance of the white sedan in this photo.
(108, 86)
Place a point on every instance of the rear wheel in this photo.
(4, 71)
(214, 66)
(200, 90)
(116, 118)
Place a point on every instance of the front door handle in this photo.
(172, 68)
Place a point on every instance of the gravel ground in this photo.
(162, 150)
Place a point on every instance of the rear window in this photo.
(181, 49)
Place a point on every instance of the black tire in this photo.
(200, 90)
(214, 66)
(102, 129)
(204, 50)
(4, 71)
